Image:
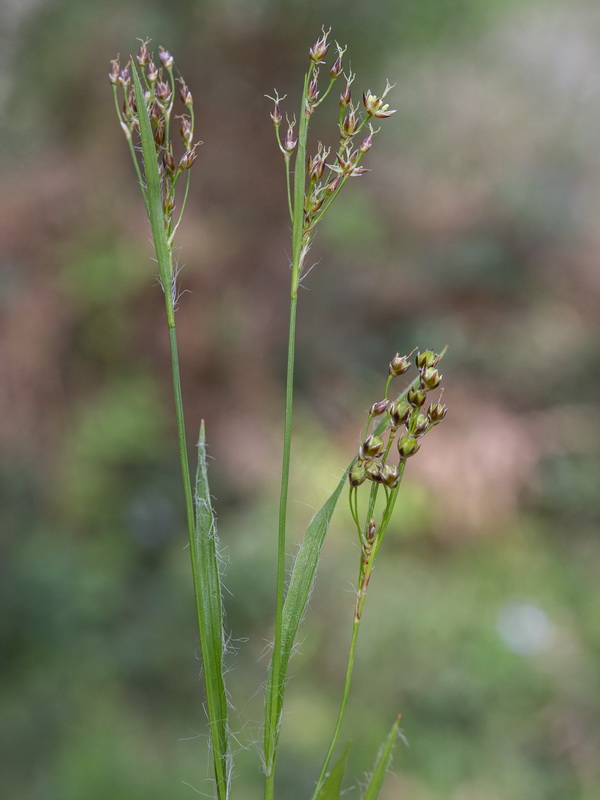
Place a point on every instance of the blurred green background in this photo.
(477, 228)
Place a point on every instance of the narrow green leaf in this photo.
(382, 763)
(152, 177)
(207, 587)
(331, 788)
(296, 600)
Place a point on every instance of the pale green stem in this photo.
(298, 214)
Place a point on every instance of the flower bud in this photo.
(366, 144)
(115, 71)
(319, 49)
(143, 56)
(333, 185)
(158, 132)
(372, 446)
(345, 96)
(400, 412)
(390, 476)
(336, 69)
(358, 475)
(186, 131)
(166, 59)
(371, 530)
(407, 446)
(349, 124)
(163, 92)
(427, 359)
(399, 365)
(430, 378)
(312, 93)
(169, 205)
(276, 115)
(152, 72)
(416, 397)
(436, 412)
(185, 94)
(290, 141)
(379, 407)
(124, 77)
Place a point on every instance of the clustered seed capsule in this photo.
(407, 412)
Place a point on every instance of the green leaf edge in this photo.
(382, 763)
(294, 607)
(331, 788)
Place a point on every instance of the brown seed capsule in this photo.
(372, 446)
(399, 365)
(407, 446)
(416, 397)
(358, 475)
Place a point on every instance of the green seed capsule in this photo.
(416, 397)
(358, 475)
(407, 446)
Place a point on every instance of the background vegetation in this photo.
(477, 228)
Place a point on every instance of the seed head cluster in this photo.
(402, 422)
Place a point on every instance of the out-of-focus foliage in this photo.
(477, 228)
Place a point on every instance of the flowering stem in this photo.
(273, 721)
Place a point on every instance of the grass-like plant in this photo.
(145, 92)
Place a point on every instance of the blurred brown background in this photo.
(477, 228)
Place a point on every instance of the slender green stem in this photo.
(272, 724)
(342, 711)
